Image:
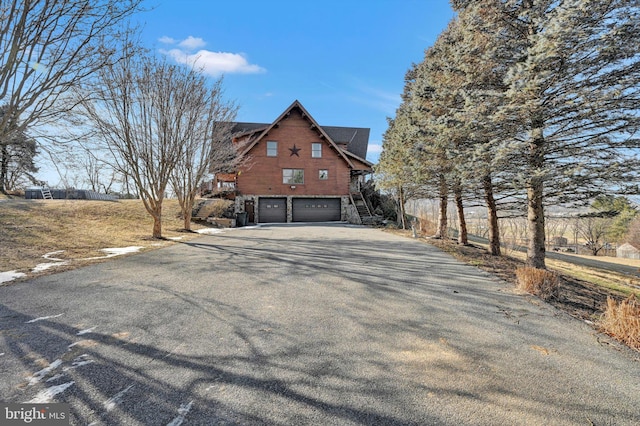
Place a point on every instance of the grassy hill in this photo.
(33, 228)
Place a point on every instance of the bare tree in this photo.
(145, 111)
(593, 229)
(96, 172)
(208, 148)
(48, 47)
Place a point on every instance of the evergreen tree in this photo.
(395, 171)
(17, 154)
(622, 212)
(570, 115)
(575, 91)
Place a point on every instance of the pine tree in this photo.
(570, 116)
(395, 170)
(17, 155)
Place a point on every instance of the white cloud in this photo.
(374, 148)
(214, 63)
(166, 40)
(192, 43)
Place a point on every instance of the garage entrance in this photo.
(316, 209)
(272, 210)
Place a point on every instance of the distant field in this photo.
(33, 228)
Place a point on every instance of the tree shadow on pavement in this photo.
(244, 329)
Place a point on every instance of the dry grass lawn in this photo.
(33, 228)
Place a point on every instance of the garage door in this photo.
(316, 209)
(272, 210)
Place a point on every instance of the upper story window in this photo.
(272, 149)
(293, 176)
(316, 150)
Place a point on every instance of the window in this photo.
(272, 149)
(323, 175)
(293, 176)
(316, 150)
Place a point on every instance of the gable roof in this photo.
(314, 125)
(245, 128)
(356, 139)
(629, 247)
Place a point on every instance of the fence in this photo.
(68, 194)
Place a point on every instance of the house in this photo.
(223, 185)
(299, 171)
(628, 251)
(559, 241)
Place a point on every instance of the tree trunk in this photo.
(157, 226)
(402, 218)
(187, 222)
(186, 211)
(156, 213)
(492, 216)
(462, 233)
(535, 194)
(443, 230)
(4, 168)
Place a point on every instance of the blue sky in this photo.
(343, 60)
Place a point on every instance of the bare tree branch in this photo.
(49, 47)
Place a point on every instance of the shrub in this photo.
(540, 282)
(216, 208)
(426, 226)
(621, 320)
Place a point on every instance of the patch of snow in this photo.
(175, 238)
(85, 331)
(44, 266)
(111, 403)
(210, 231)
(37, 376)
(45, 396)
(10, 276)
(116, 251)
(43, 318)
(49, 256)
(182, 414)
(1, 353)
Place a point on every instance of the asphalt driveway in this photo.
(330, 324)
